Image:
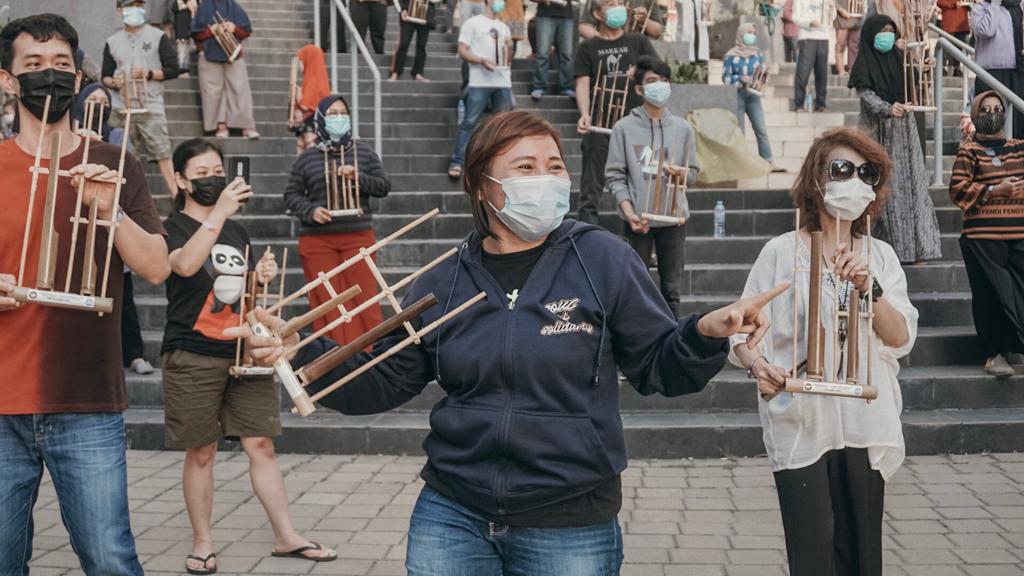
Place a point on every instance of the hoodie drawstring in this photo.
(604, 314)
(447, 304)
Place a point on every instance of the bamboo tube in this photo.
(814, 344)
(89, 257)
(117, 202)
(36, 167)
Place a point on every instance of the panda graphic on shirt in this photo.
(227, 267)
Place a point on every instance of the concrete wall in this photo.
(95, 20)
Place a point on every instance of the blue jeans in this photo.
(85, 456)
(750, 105)
(476, 100)
(559, 31)
(448, 539)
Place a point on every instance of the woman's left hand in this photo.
(266, 268)
(742, 317)
(851, 267)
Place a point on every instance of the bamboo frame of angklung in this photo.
(918, 63)
(815, 380)
(243, 364)
(44, 292)
(501, 50)
(283, 369)
(641, 28)
(857, 8)
(758, 80)
(227, 40)
(706, 16)
(293, 89)
(654, 210)
(342, 199)
(607, 102)
(134, 92)
(417, 12)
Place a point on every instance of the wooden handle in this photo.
(814, 340)
(299, 322)
(853, 338)
(334, 358)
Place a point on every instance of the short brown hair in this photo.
(807, 191)
(491, 139)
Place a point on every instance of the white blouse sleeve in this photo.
(761, 279)
(893, 281)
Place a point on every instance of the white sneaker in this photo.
(141, 366)
(999, 367)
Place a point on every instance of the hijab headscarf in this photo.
(992, 140)
(881, 72)
(78, 113)
(323, 139)
(314, 77)
(740, 49)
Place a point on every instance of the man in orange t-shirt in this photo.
(61, 383)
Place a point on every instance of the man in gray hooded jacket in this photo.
(647, 138)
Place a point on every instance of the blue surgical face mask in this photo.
(884, 41)
(534, 205)
(498, 6)
(616, 16)
(338, 127)
(133, 16)
(657, 93)
(750, 39)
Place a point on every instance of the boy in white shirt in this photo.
(814, 18)
(485, 43)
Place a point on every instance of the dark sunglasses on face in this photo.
(986, 109)
(843, 170)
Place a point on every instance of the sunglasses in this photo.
(986, 109)
(843, 170)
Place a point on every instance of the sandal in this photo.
(299, 553)
(454, 171)
(204, 569)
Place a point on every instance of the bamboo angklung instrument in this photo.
(342, 194)
(758, 81)
(293, 90)
(815, 381)
(44, 292)
(608, 101)
(134, 92)
(667, 208)
(918, 61)
(227, 41)
(857, 8)
(641, 28)
(417, 12)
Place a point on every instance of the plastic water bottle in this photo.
(809, 103)
(719, 219)
(462, 110)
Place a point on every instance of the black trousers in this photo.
(1014, 80)
(406, 30)
(372, 15)
(325, 28)
(813, 55)
(670, 244)
(832, 515)
(131, 333)
(789, 45)
(594, 147)
(995, 269)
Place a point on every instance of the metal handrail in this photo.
(378, 124)
(945, 48)
(963, 46)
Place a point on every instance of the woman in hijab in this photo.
(325, 240)
(740, 65)
(223, 83)
(100, 126)
(908, 220)
(313, 89)
(988, 185)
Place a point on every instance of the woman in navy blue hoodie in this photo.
(526, 450)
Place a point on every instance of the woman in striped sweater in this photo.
(326, 241)
(988, 185)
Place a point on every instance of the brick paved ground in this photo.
(955, 515)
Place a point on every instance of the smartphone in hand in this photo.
(238, 166)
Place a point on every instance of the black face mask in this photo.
(36, 86)
(991, 123)
(206, 191)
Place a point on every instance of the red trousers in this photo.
(321, 253)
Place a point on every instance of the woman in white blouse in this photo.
(832, 456)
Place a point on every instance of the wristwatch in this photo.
(876, 291)
(149, 74)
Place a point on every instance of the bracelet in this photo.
(750, 367)
(206, 224)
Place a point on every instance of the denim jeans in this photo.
(559, 32)
(448, 539)
(84, 454)
(748, 104)
(476, 100)
(813, 55)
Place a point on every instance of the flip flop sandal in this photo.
(204, 570)
(454, 171)
(299, 553)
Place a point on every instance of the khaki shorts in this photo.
(149, 137)
(203, 403)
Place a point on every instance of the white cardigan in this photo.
(800, 428)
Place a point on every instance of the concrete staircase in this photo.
(951, 406)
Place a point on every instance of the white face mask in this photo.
(534, 205)
(849, 199)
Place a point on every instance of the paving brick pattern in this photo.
(945, 515)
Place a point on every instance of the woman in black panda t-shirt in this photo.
(202, 401)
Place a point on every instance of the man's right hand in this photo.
(638, 225)
(583, 125)
(231, 199)
(264, 350)
(7, 284)
(487, 64)
(321, 215)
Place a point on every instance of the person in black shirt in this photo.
(406, 30)
(554, 22)
(618, 50)
(202, 401)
